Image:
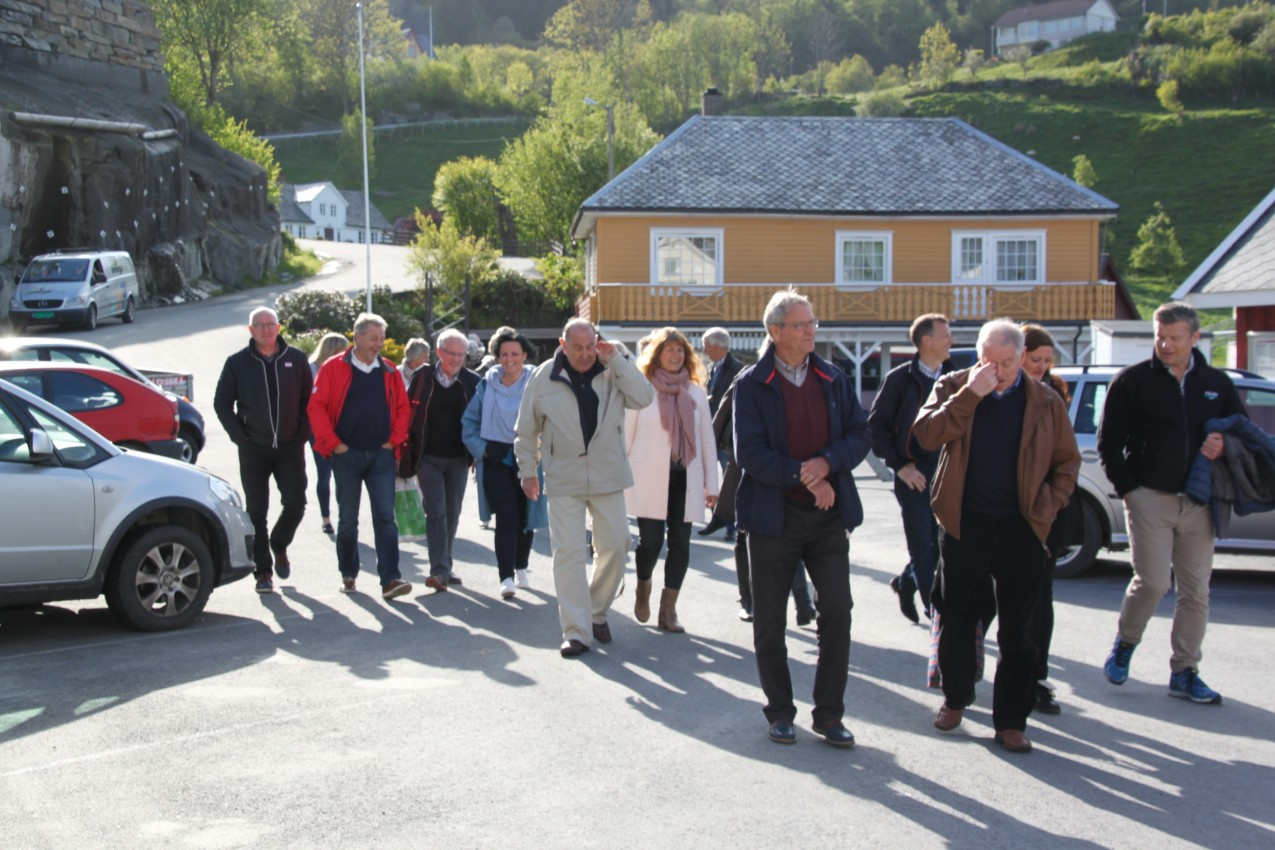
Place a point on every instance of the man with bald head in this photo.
(261, 401)
(1007, 465)
(572, 421)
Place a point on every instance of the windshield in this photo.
(56, 271)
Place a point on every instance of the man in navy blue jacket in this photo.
(799, 434)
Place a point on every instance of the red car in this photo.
(126, 412)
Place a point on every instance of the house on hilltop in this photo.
(1057, 23)
(877, 220)
(1238, 274)
(322, 211)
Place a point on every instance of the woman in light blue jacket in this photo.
(488, 431)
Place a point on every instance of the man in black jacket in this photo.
(721, 374)
(894, 410)
(261, 401)
(1152, 429)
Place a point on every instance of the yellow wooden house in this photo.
(877, 220)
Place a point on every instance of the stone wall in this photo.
(112, 43)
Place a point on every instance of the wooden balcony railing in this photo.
(899, 303)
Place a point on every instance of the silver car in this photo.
(1104, 520)
(83, 519)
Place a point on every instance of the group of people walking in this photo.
(984, 459)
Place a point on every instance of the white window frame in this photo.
(990, 273)
(884, 236)
(716, 233)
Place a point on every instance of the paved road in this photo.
(313, 719)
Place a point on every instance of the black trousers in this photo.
(286, 465)
(1043, 624)
(800, 590)
(651, 537)
(818, 539)
(509, 504)
(1006, 549)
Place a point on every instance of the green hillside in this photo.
(406, 158)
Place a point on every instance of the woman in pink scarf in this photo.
(674, 460)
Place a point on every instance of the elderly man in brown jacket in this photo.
(994, 506)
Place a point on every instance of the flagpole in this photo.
(367, 200)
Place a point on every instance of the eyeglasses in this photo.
(801, 326)
(452, 353)
(265, 327)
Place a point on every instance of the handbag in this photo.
(409, 513)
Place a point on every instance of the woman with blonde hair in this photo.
(674, 460)
(329, 345)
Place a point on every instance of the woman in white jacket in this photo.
(674, 460)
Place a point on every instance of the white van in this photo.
(75, 287)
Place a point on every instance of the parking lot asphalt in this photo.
(309, 718)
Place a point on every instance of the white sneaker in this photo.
(522, 580)
(506, 588)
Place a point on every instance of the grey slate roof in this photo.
(289, 212)
(847, 166)
(1244, 262)
(354, 214)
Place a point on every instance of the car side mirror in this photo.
(41, 444)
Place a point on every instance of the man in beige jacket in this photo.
(572, 422)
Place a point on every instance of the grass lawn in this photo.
(406, 158)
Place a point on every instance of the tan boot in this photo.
(667, 618)
(642, 601)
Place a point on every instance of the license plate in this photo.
(48, 315)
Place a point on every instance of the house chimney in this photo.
(712, 102)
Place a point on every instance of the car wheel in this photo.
(1080, 557)
(190, 444)
(162, 581)
(90, 321)
(130, 311)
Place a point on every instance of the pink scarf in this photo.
(677, 413)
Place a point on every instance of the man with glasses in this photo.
(799, 434)
(436, 455)
(261, 401)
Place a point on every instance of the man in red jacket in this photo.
(359, 414)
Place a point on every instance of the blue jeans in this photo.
(352, 470)
(322, 482)
(922, 534)
(442, 481)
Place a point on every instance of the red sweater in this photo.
(806, 415)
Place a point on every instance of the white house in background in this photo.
(322, 211)
(1057, 23)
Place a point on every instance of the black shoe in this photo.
(906, 603)
(572, 648)
(806, 616)
(1045, 702)
(282, 566)
(783, 733)
(835, 734)
(713, 526)
(601, 632)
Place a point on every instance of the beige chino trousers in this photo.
(583, 601)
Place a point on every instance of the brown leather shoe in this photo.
(666, 619)
(1014, 741)
(601, 632)
(642, 601)
(948, 718)
(572, 648)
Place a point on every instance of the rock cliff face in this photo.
(92, 154)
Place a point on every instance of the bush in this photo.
(316, 310)
(564, 280)
(882, 104)
(508, 298)
(403, 312)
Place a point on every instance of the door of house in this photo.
(327, 233)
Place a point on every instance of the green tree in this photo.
(1083, 171)
(465, 192)
(851, 75)
(1157, 251)
(564, 279)
(881, 104)
(939, 57)
(975, 60)
(334, 41)
(449, 256)
(349, 152)
(211, 32)
(1167, 94)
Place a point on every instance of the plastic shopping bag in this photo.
(409, 513)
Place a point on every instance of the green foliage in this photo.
(1083, 171)
(974, 61)
(349, 151)
(403, 312)
(882, 104)
(891, 76)
(1167, 94)
(939, 57)
(296, 263)
(564, 280)
(450, 257)
(316, 310)
(465, 191)
(507, 298)
(1158, 252)
(850, 75)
